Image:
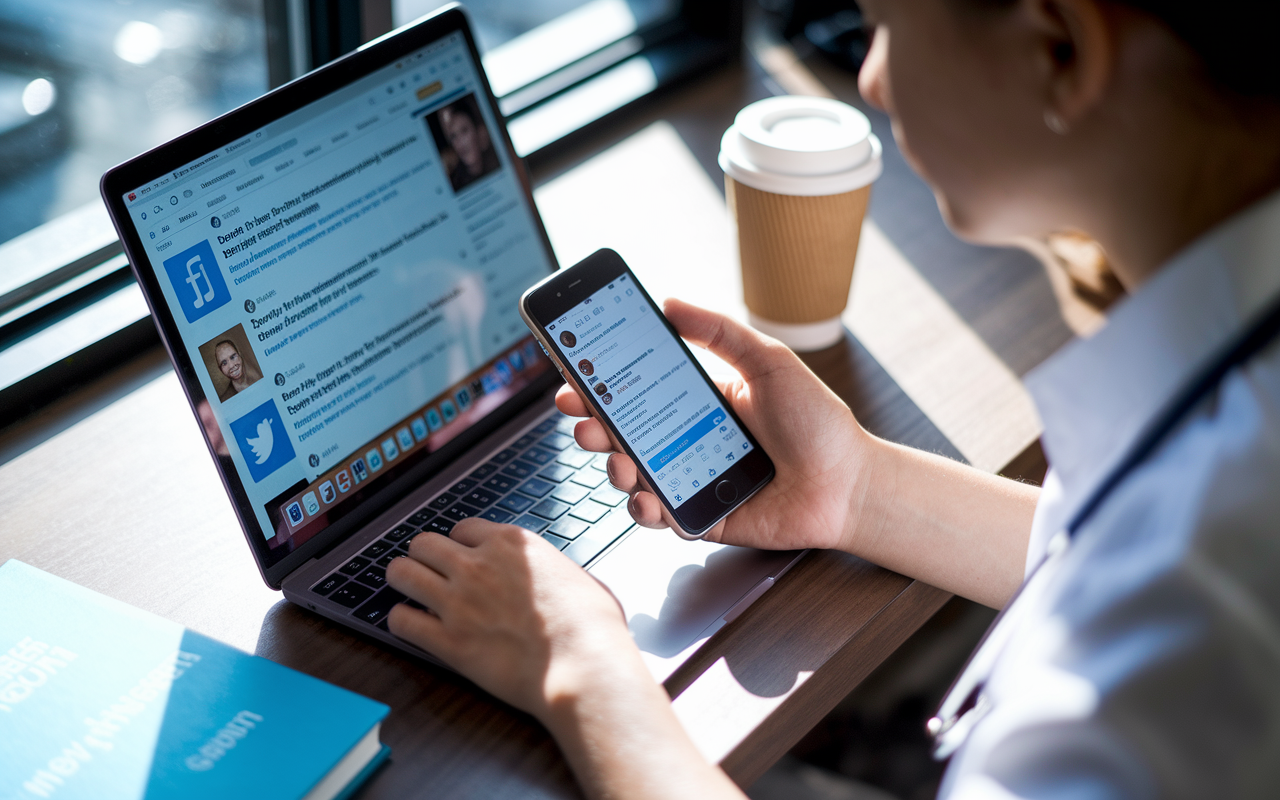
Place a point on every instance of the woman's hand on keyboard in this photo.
(508, 610)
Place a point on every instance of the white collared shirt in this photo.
(1150, 666)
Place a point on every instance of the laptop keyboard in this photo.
(542, 482)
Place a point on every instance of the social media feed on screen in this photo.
(649, 388)
(346, 280)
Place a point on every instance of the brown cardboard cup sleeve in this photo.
(797, 252)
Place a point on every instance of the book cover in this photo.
(100, 700)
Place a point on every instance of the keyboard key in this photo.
(524, 441)
(501, 483)
(566, 425)
(373, 576)
(398, 533)
(443, 501)
(351, 594)
(590, 477)
(378, 606)
(519, 469)
(539, 456)
(354, 567)
(589, 511)
(497, 515)
(575, 458)
(383, 626)
(482, 472)
(556, 540)
(609, 496)
(569, 528)
(375, 550)
(421, 516)
(570, 493)
(557, 473)
(460, 511)
(546, 426)
(327, 585)
(385, 560)
(556, 441)
(531, 523)
(551, 509)
(515, 503)
(462, 487)
(504, 456)
(536, 487)
(599, 536)
(601, 461)
(439, 525)
(481, 498)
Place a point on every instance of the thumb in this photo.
(745, 349)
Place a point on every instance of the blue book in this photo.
(99, 700)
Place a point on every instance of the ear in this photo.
(1076, 55)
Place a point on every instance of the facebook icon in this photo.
(197, 281)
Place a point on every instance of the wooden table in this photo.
(113, 487)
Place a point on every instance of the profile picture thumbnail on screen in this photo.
(462, 137)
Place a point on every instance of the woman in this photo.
(1146, 662)
(469, 138)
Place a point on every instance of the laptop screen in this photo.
(345, 282)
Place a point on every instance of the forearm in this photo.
(622, 739)
(943, 522)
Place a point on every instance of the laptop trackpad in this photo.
(675, 593)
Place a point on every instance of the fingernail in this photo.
(608, 468)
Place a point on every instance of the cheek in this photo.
(947, 121)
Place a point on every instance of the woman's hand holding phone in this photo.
(820, 452)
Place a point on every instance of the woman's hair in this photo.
(1235, 39)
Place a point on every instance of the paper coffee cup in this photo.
(798, 174)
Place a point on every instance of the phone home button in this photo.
(726, 492)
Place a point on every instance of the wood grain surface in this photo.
(115, 490)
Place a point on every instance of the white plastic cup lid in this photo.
(801, 146)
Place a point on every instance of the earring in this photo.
(1054, 122)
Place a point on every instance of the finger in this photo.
(570, 402)
(418, 627)
(473, 531)
(591, 435)
(748, 351)
(410, 577)
(434, 551)
(646, 509)
(623, 473)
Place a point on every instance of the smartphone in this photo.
(606, 335)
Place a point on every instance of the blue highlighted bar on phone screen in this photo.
(688, 439)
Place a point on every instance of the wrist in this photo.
(871, 492)
(580, 681)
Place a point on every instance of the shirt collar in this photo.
(1095, 395)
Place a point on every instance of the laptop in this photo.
(334, 269)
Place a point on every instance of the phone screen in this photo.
(647, 384)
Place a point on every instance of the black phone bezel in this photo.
(227, 128)
(556, 295)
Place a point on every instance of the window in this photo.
(85, 84)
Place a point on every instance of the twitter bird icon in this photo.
(261, 446)
(263, 441)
